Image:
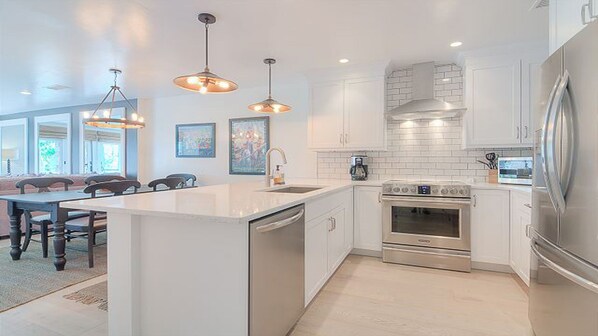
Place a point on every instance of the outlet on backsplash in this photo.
(421, 149)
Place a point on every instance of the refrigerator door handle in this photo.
(554, 176)
(577, 279)
(544, 148)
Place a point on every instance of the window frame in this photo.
(63, 117)
(123, 144)
(17, 122)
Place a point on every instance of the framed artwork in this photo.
(196, 140)
(249, 142)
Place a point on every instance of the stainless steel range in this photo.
(427, 224)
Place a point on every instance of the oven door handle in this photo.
(425, 199)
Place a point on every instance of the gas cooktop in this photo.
(426, 188)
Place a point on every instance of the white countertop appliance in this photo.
(515, 170)
(427, 224)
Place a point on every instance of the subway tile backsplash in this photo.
(421, 149)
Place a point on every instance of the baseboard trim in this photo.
(367, 253)
(484, 266)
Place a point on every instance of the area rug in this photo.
(96, 294)
(32, 277)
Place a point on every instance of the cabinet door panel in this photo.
(530, 95)
(490, 226)
(368, 219)
(364, 113)
(316, 256)
(565, 20)
(326, 115)
(493, 99)
(336, 240)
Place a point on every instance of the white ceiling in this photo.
(74, 42)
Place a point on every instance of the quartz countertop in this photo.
(510, 187)
(221, 203)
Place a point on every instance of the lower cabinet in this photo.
(490, 228)
(328, 239)
(520, 244)
(368, 220)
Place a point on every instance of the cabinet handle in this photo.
(379, 197)
(331, 224)
(346, 138)
(526, 132)
(518, 133)
(475, 200)
(341, 140)
(584, 8)
(528, 205)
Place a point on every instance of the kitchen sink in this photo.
(293, 190)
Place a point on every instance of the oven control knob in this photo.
(461, 192)
(443, 191)
(412, 190)
(434, 191)
(405, 189)
(396, 189)
(453, 191)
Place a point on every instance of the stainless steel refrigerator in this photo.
(564, 231)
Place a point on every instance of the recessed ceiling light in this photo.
(456, 44)
(25, 92)
(343, 60)
(446, 79)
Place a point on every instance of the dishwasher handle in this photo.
(281, 223)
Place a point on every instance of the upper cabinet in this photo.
(567, 17)
(347, 110)
(500, 91)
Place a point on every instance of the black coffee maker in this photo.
(359, 168)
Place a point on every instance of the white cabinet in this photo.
(347, 114)
(490, 226)
(520, 243)
(368, 219)
(326, 117)
(567, 18)
(501, 92)
(493, 100)
(316, 255)
(328, 238)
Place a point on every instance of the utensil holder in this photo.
(493, 176)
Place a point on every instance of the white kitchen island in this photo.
(178, 261)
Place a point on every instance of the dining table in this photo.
(49, 202)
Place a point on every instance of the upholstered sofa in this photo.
(7, 187)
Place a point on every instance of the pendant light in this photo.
(269, 105)
(205, 82)
(107, 120)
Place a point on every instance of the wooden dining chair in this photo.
(43, 184)
(103, 178)
(187, 177)
(97, 221)
(171, 182)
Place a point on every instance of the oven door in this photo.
(426, 221)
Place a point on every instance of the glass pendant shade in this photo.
(269, 105)
(107, 120)
(206, 81)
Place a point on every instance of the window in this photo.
(52, 141)
(102, 149)
(13, 139)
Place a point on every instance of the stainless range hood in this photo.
(424, 105)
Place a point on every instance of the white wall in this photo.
(287, 131)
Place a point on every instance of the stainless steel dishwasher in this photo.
(276, 272)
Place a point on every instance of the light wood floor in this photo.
(364, 298)
(368, 297)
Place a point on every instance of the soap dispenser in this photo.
(278, 176)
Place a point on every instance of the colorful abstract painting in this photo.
(249, 142)
(196, 140)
